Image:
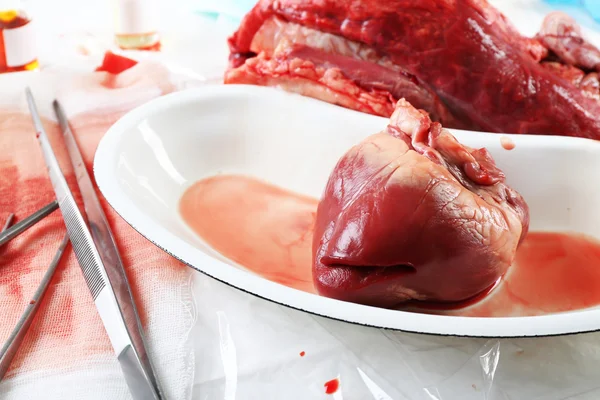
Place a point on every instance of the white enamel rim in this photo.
(106, 159)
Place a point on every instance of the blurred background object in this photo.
(224, 9)
(591, 7)
(137, 25)
(18, 46)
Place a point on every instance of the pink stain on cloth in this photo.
(67, 341)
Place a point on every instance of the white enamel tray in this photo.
(148, 158)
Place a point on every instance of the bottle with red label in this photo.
(18, 50)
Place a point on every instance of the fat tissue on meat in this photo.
(411, 214)
(461, 61)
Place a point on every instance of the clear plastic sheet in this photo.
(249, 348)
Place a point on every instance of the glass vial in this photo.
(136, 27)
(18, 50)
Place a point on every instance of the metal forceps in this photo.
(10, 348)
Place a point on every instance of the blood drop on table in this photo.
(332, 386)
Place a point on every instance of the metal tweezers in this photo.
(10, 348)
(98, 256)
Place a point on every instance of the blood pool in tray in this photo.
(268, 230)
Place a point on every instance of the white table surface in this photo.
(248, 348)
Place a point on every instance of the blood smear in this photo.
(507, 143)
(268, 230)
(553, 272)
(332, 386)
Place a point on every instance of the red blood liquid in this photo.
(332, 386)
(553, 272)
(264, 228)
(507, 143)
(268, 230)
(302, 354)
